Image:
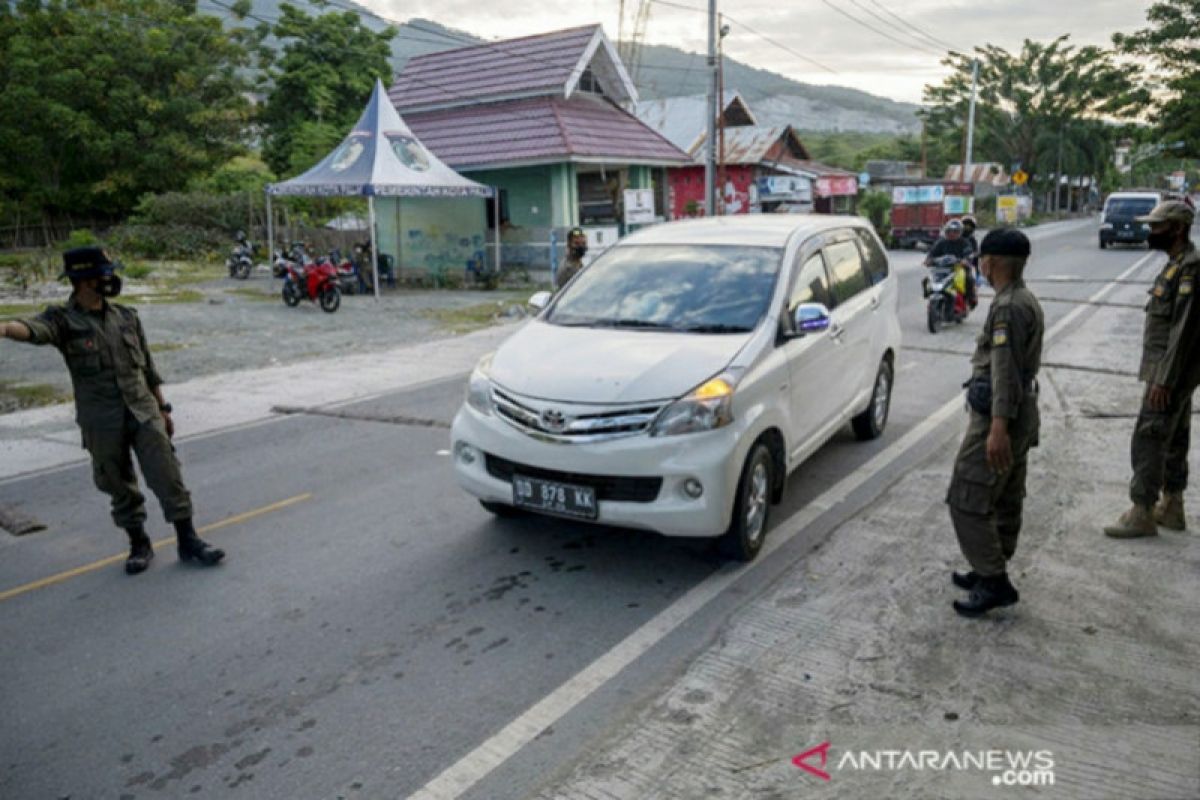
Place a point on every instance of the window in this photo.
(812, 285)
(873, 256)
(845, 266)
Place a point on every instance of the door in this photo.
(852, 316)
(813, 359)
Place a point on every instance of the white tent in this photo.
(379, 157)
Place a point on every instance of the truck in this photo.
(920, 208)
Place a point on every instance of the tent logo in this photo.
(409, 151)
(821, 750)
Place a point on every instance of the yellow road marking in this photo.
(8, 594)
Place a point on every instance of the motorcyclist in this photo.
(953, 243)
(969, 226)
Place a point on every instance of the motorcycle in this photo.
(949, 292)
(347, 272)
(241, 262)
(316, 282)
(296, 256)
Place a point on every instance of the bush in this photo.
(80, 238)
(227, 213)
(168, 241)
(877, 207)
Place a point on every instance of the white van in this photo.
(678, 379)
(1118, 220)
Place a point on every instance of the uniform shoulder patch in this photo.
(1171, 272)
(999, 334)
(1185, 286)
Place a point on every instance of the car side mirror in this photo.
(540, 300)
(810, 318)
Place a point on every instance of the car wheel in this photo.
(871, 422)
(751, 507)
(500, 509)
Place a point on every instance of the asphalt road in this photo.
(372, 624)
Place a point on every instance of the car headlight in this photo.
(479, 387)
(707, 407)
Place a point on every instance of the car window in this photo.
(846, 269)
(1128, 207)
(873, 256)
(684, 287)
(812, 285)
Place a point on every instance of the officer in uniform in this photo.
(1171, 370)
(118, 403)
(573, 262)
(987, 489)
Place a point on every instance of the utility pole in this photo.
(721, 31)
(971, 121)
(1058, 171)
(710, 143)
(924, 156)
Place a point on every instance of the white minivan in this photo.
(674, 383)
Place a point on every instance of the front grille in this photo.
(608, 487)
(590, 426)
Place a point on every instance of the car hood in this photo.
(604, 365)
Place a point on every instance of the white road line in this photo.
(476, 765)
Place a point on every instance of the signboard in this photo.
(837, 186)
(914, 195)
(956, 204)
(1020, 177)
(787, 188)
(1006, 208)
(864, 179)
(1177, 180)
(639, 206)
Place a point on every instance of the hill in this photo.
(665, 72)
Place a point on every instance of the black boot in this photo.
(994, 591)
(141, 552)
(191, 546)
(965, 580)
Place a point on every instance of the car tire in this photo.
(751, 507)
(500, 509)
(871, 422)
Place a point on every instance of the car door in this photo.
(852, 316)
(882, 295)
(813, 359)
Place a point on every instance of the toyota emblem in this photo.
(553, 420)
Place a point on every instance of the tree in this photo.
(102, 101)
(1173, 42)
(328, 66)
(1030, 101)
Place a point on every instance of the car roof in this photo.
(763, 230)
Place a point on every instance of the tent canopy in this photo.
(381, 157)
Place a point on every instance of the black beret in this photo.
(85, 262)
(1005, 242)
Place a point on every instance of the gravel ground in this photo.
(232, 325)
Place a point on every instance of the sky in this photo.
(849, 53)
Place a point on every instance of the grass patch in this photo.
(21, 309)
(17, 396)
(254, 294)
(468, 318)
(170, 296)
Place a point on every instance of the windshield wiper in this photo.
(632, 323)
(715, 328)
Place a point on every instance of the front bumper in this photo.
(711, 458)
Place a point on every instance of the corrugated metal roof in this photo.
(988, 172)
(750, 145)
(513, 67)
(682, 119)
(543, 129)
(824, 170)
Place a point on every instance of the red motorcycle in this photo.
(316, 282)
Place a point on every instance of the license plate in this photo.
(1126, 234)
(551, 497)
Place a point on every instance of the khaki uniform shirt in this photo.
(1009, 348)
(1169, 354)
(109, 361)
(566, 270)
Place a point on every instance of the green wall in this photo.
(433, 234)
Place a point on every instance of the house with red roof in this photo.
(541, 118)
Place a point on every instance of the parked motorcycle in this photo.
(296, 256)
(949, 292)
(241, 259)
(316, 282)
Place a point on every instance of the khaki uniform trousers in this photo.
(986, 506)
(112, 470)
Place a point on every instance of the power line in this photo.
(876, 15)
(913, 28)
(920, 47)
(782, 46)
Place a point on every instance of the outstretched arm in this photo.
(14, 330)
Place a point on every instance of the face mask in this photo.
(1160, 241)
(579, 251)
(110, 286)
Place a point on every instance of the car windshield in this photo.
(690, 288)
(1132, 207)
